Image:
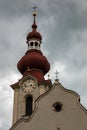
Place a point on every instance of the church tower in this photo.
(33, 66)
(39, 104)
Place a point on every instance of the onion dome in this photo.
(33, 59)
(33, 62)
(34, 34)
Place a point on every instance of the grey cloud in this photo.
(14, 8)
(68, 23)
(63, 25)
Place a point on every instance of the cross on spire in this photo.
(56, 73)
(34, 12)
(34, 8)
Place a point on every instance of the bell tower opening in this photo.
(29, 105)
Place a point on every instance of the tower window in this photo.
(36, 44)
(29, 102)
(31, 43)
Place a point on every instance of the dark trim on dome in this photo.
(34, 50)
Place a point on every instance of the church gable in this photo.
(58, 108)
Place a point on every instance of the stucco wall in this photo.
(72, 116)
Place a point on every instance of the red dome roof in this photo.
(34, 34)
(34, 60)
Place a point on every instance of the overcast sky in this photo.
(63, 25)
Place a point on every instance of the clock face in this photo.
(29, 85)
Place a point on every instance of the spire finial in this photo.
(56, 73)
(34, 26)
(34, 33)
(34, 8)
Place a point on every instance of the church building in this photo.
(39, 104)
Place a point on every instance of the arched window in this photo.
(31, 44)
(29, 105)
(36, 44)
(39, 46)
